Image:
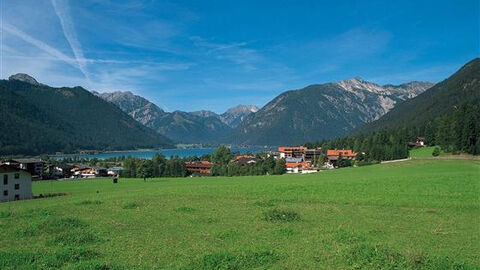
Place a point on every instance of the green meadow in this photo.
(406, 215)
(422, 152)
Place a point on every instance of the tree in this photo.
(145, 170)
(222, 155)
(279, 166)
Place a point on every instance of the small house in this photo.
(334, 156)
(16, 183)
(114, 171)
(199, 167)
(300, 167)
(245, 160)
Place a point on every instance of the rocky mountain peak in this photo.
(23, 78)
(204, 113)
(242, 109)
(359, 83)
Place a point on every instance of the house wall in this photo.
(24, 182)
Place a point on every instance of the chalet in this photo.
(300, 152)
(419, 142)
(335, 155)
(34, 166)
(292, 151)
(199, 167)
(60, 171)
(84, 171)
(245, 160)
(300, 167)
(16, 183)
(114, 171)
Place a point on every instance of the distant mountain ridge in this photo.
(189, 127)
(322, 111)
(38, 119)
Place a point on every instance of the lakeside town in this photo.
(17, 174)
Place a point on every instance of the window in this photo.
(17, 186)
(5, 193)
(17, 175)
(17, 197)
(5, 179)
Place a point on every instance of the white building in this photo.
(15, 183)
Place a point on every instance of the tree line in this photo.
(456, 132)
(222, 159)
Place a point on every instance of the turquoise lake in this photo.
(148, 154)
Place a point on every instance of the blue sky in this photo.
(192, 55)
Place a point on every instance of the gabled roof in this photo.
(4, 168)
(199, 164)
(341, 152)
(302, 165)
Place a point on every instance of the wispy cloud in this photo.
(63, 13)
(236, 52)
(38, 44)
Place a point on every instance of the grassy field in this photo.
(422, 151)
(404, 215)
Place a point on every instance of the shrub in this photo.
(436, 151)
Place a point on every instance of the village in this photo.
(18, 174)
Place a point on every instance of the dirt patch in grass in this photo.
(277, 215)
(223, 260)
(89, 202)
(186, 210)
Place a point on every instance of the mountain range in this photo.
(38, 119)
(322, 111)
(68, 119)
(316, 112)
(187, 127)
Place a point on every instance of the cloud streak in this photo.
(37, 43)
(63, 13)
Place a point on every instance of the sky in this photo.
(213, 55)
